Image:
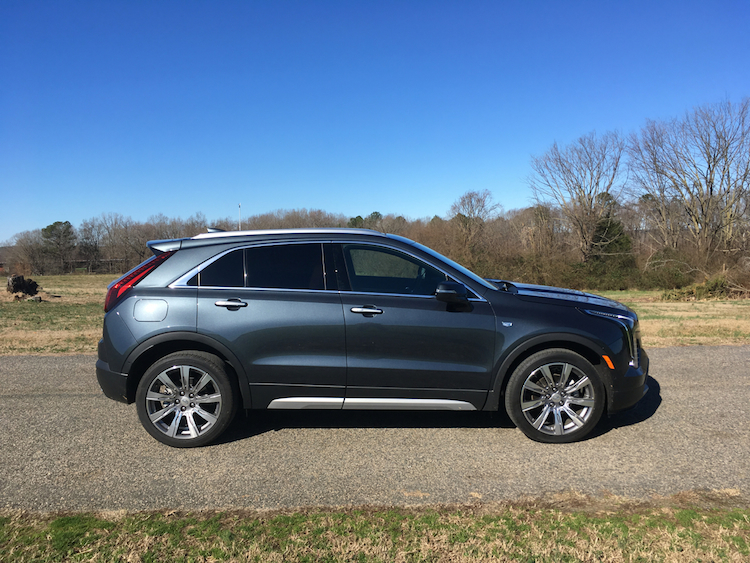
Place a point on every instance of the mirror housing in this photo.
(452, 292)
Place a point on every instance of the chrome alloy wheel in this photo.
(183, 402)
(557, 398)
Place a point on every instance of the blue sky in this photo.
(176, 107)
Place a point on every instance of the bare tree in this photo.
(573, 178)
(28, 255)
(471, 211)
(700, 162)
(537, 229)
(90, 235)
(475, 206)
(469, 216)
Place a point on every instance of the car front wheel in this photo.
(555, 396)
(186, 399)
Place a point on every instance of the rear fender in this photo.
(149, 351)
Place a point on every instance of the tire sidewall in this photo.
(533, 362)
(200, 360)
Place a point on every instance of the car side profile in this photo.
(355, 319)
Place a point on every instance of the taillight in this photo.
(131, 279)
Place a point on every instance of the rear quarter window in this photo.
(227, 271)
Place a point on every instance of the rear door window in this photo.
(285, 266)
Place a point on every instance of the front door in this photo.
(401, 341)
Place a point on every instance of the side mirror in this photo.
(452, 292)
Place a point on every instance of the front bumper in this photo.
(631, 387)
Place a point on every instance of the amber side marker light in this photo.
(609, 362)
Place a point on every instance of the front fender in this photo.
(587, 347)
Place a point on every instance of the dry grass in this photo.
(568, 527)
(670, 323)
(69, 319)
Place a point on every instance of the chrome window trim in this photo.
(183, 280)
(327, 291)
(266, 289)
(474, 299)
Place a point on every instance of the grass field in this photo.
(695, 527)
(67, 321)
(72, 322)
(525, 531)
(670, 323)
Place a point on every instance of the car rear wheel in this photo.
(186, 399)
(555, 396)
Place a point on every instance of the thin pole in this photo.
(239, 223)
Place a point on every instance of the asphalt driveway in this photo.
(64, 446)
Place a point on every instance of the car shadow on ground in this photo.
(254, 423)
(642, 411)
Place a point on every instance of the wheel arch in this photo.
(581, 345)
(149, 351)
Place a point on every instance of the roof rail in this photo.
(266, 232)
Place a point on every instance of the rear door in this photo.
(272, 306)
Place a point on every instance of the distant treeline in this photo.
(663, 208)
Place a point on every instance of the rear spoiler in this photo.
(162, 246)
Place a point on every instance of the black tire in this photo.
(186, 399)
(555, 396)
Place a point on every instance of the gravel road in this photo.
(64, 446)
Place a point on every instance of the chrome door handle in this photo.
(367, 310)
(231, 304)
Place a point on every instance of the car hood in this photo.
(572, 296)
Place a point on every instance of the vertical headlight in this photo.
(630, 329)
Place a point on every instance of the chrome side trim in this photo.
(407, 404)
(336, 403)
(297, 403)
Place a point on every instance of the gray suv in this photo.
(355, 319)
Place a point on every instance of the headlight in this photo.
(630, 329)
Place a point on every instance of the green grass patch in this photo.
(67, 321)
(50, 315)
(502, 533)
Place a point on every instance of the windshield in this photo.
(451, 263)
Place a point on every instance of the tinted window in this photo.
(285, 266)
(381, 270)
(227, 271)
